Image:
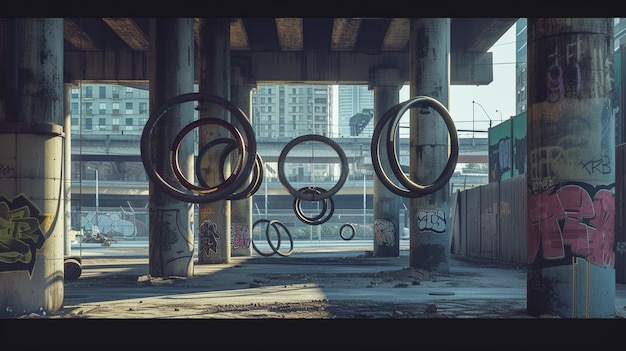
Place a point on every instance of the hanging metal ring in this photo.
(257, 177)
(376, 159)
(392, 153)
(313, 196)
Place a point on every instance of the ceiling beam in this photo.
(345, 31)
(129, 32)
(238, 35)
(398, 34)
(78, 38)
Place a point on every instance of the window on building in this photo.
(74, 108)
(115, 91)
(129, 108)
(269, 100)
(89, 108)
(89, 92)
(74, 121)
(115, 109)
(74, 93)
(129, 121)
(103, 108)
(269, 108)
(129, 92)
(143, 108)
(115, 123)
(102, 122)
(88, 123)
(102, 92)
(269, 91)
(262, 100)
(294, 100)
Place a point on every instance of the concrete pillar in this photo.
(429, 75)
(571, 168)
(31, 163)
(67, 168)
(386, 83)
(241, 210)
(171, 237)
(214, 244)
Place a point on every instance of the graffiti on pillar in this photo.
(166, 228)
(240, 236)
(208, 239)
(554, 81)
(598, 165)
(20, 234)
(574, 220)
(384, 232)
(432, 221)
(6, 169)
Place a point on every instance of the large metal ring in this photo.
(389, 123)
(257, 177)
(377, 161)
(202, 195)
(392, 134)
(313, 196)
(206, 189)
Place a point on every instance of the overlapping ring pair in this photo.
(247, 167)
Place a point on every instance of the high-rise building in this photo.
(290, 110)
(355, 101)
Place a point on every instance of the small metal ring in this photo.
(317, 220)
(347, 237)
(264, 254)
(273, 223)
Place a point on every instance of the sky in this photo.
(497, 98)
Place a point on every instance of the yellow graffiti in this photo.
(16, 226)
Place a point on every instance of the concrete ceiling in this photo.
(118, 46)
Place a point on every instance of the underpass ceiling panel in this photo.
(318, 33)
(262, 35)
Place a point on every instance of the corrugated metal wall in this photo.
(513, 220)
(490, 221)
(489, 235)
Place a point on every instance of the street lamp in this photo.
(500, 115)
(481, 106)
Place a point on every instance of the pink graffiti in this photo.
(570, 216)
(240, 236)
